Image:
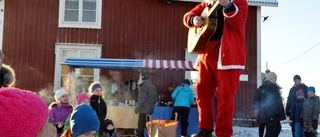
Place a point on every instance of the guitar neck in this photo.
(212, 7)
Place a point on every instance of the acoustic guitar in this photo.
(198, 37)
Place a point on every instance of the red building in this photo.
(38, 35)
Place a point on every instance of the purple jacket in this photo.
(59, 114)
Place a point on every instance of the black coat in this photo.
(269, 103)
(292, 95)
(99, 105)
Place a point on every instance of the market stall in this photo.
(123, 115)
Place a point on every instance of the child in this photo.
(84, 122)
(81, 98)
(295, 113)
(310, 113)
(108, 129)
(60, 110)
(96, 100)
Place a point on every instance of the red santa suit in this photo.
(220, 66)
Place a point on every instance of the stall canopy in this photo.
(128, 63)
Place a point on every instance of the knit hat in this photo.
(59, 93)
(271, 75)
(7, 76)
(105, 124)
(312, 89)
(22, 113)
(83, 119)
(299, 93)
(81, 97)
(94, 87)
(186, 81)
(296, 77)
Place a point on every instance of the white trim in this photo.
(75, 46)
(259, 77)
(234, 14)
(80, 24)
(226, 67)
(1, 22)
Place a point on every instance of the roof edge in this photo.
(249, 3)
(263, 4)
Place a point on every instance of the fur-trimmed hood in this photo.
(55, 104)
(7, 76)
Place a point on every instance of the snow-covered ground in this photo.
(253, 131)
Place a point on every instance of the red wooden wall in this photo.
(135, 29)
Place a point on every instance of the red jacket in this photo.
(232, 53)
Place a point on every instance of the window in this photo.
(80, 13)
(64, 51)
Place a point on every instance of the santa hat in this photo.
(22, 113)
(81, 97)
(83, 119)
(59, 93)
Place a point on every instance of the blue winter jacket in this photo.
(296, 109)
(183, 96)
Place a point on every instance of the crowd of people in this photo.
(25, 113)
(87, 119)
(302, 108)
(220, 64)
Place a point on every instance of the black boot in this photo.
(203, 133)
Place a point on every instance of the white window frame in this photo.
(1, 22)
(80, 24)
(62, 46)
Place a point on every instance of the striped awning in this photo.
(168, 64)
(128, 63)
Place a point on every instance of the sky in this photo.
(290, 42)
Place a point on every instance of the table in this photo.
(123, 116)
(166, 112)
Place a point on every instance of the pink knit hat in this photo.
(22, 113)
(81, 97)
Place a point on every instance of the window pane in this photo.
(72, 4)
(89, 5)
(68, 53)
(64, 69)
(87, 54)
(89, 16)
(86, 71)
(71, 15)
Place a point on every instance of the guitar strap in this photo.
(216, 19)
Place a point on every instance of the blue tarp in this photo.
(104, 63)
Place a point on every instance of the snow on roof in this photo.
(272, 3)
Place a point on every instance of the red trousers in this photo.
(210, 79)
